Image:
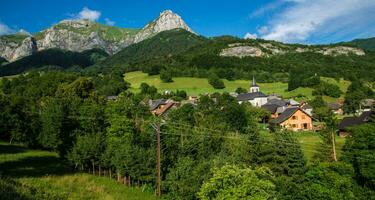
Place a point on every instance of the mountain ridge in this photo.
(80, 35)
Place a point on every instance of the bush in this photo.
(216, 82)
(166, 76)
(240, 90)
(328, 89)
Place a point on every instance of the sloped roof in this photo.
(355, 121)
(155, 104)
(250, 96)
(277, 102)
(334, 106)
(270, 107)
(306, 106)
(286, 115)
(293, 102)
(164, 109)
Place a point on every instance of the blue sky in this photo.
(302, 21)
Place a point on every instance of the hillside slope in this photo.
(162, 46)
(55, 59)
(368, 43)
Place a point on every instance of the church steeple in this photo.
(254, 87)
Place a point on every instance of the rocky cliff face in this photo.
(80, 35)
(166, 21)
(265, 49)
(12, 50)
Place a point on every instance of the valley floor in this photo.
(35, 174)
(197, 86)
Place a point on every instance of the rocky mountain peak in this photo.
(167, 20)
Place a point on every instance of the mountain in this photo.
(80, 35)
(166, 21)
(53, 59)
(368, 44)
(162, 45)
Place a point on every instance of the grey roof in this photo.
(334, 106)
(155, 104)
(277, 102)
(112, 97)
(250, 96)
(270, 107)
(368, 102)
(286, 114)
(353, 121)
(306, 106)
(293, 102)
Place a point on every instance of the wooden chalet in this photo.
(295, 119)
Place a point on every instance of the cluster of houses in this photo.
(285, 113)
(288, 114)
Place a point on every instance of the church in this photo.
(254, 96)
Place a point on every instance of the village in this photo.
(286, 114)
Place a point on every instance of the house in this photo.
(295, 119)
(336, 108)
(275, 107)
(111, 98)
(293, 102)
(161, 106)
(255, 97)
(348, 122)
(307, 108)
(367, 104)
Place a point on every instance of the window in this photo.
(305, 125)
(294, 117)
(294, 125)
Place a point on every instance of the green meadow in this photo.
(35, 174)
(197, 86)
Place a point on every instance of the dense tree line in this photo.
(215, 149)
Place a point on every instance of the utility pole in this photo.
(333, 146)
(158, 178)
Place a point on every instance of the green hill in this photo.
(36, 174)
(162, 46)
(368, 43)
(55, 59)
(187, 55)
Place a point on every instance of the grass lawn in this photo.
(196, 86)
(35, 174)
(343, 85)
(310, 141)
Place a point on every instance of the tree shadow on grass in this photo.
(34, 167)
(8, 149)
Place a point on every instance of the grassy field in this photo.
(196, 86)
(34, 174)
(343, 85)
(310, 141)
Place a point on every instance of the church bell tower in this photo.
(254, 87)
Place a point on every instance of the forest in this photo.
(217, 149)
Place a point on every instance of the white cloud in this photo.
(5, 29)
(89, 14)
(250, 36)
(304, 18)
(266, 8)
(263, 30)
(109, 22)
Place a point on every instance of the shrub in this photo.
(216, 82)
